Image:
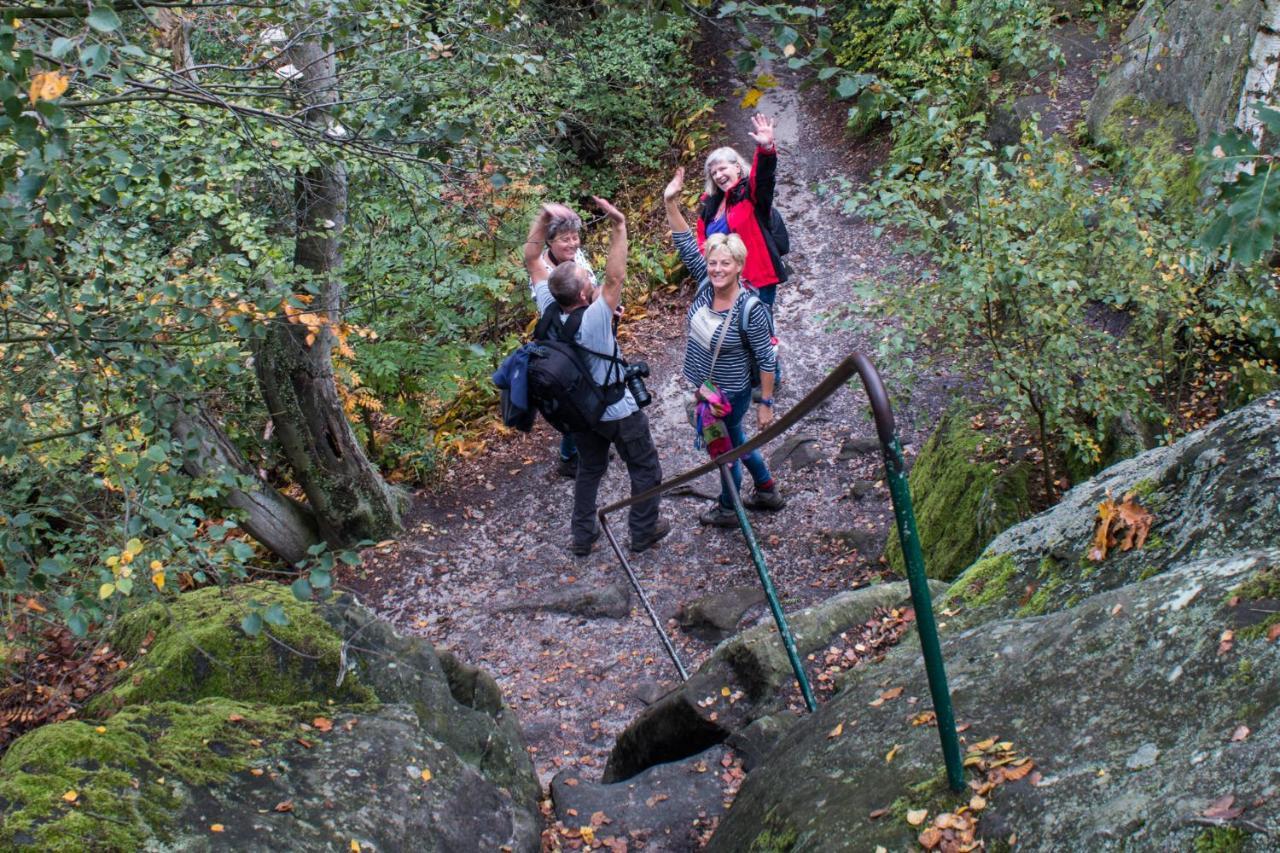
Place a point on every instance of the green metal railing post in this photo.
(922, 602)
(757, 557)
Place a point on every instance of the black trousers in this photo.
(634, 443)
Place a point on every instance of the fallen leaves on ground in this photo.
(1223, 808)
(1128, 518)
(995, 762)
(49, 683)
(1240, 734)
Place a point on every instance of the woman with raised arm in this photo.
(738, 199)
(563, 242)
(728, 329)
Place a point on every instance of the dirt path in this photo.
(496, 531)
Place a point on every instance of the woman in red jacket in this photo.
(738, 200)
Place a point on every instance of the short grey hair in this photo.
(724, 155)
(560, 224)
(566, 283)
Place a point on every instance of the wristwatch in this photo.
(766, 401)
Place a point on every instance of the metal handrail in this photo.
(904, 515)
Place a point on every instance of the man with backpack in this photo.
(577, 314)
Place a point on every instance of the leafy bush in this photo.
(930, 68)
(1082, 304)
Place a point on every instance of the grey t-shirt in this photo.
(594, 333)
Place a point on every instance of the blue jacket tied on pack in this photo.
(512, 379)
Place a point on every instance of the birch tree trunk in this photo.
(1260, 80)
(350, 499)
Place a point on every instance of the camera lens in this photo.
(634, 378)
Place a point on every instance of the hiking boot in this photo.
(582, 549)
(660, 529)
(719, 516)
(770, 499)
(568, 467)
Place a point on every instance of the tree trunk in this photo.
(283, 525)
(1260, 80)
(294, 366)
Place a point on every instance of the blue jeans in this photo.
(741, 402)
(568, 449)
(768, 295)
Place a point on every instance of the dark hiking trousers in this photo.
(631, 437)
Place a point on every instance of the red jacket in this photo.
(750, 202)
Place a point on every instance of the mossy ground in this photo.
(123, 771)
(960, 500)
(985, 582)
(198, 650)
(1264, 584)
(1154, 142)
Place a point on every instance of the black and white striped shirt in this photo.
(706, 327)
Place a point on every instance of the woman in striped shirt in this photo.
(722, 343)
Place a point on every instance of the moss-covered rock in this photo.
(960, 501)
(1155, 142)
(1192, 55)
(366, 733)
(195, 648)
(110, 786)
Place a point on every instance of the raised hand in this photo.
(614, 215)
(675, 186)
(555, 210)
(762, 131)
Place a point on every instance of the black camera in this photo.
(634, 377)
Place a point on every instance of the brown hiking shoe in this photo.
(660, 529)
(770, 500)
(719, 516)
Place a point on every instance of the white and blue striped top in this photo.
(706, 327)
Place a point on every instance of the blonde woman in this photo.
(722, 343)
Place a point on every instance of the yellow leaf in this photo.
(836, 732)
(133, 547)
(104, 591)
(724, 691)
(915, 817)
(588, 835)
(47, 85)
(426, 775)
(891, 753)
(158, 580)
(102, 730)
(157, 566)
(355, 846)
(216, 827)
(70, 796)
(752, 98)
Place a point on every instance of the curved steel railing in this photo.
(904, 515)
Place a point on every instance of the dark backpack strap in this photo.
(750, 302)
(551, 328)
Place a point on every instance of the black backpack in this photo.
(560, 382)
(778, 230)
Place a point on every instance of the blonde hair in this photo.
(724, 155)
(731, 243)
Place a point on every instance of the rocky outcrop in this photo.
(1191, 55)
(1215, 492)
(324, 729)
(1136, 701)
(740, 683)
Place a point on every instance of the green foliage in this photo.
(147, 239)
(1248, 216)
(931, 68)
(1081, 302)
